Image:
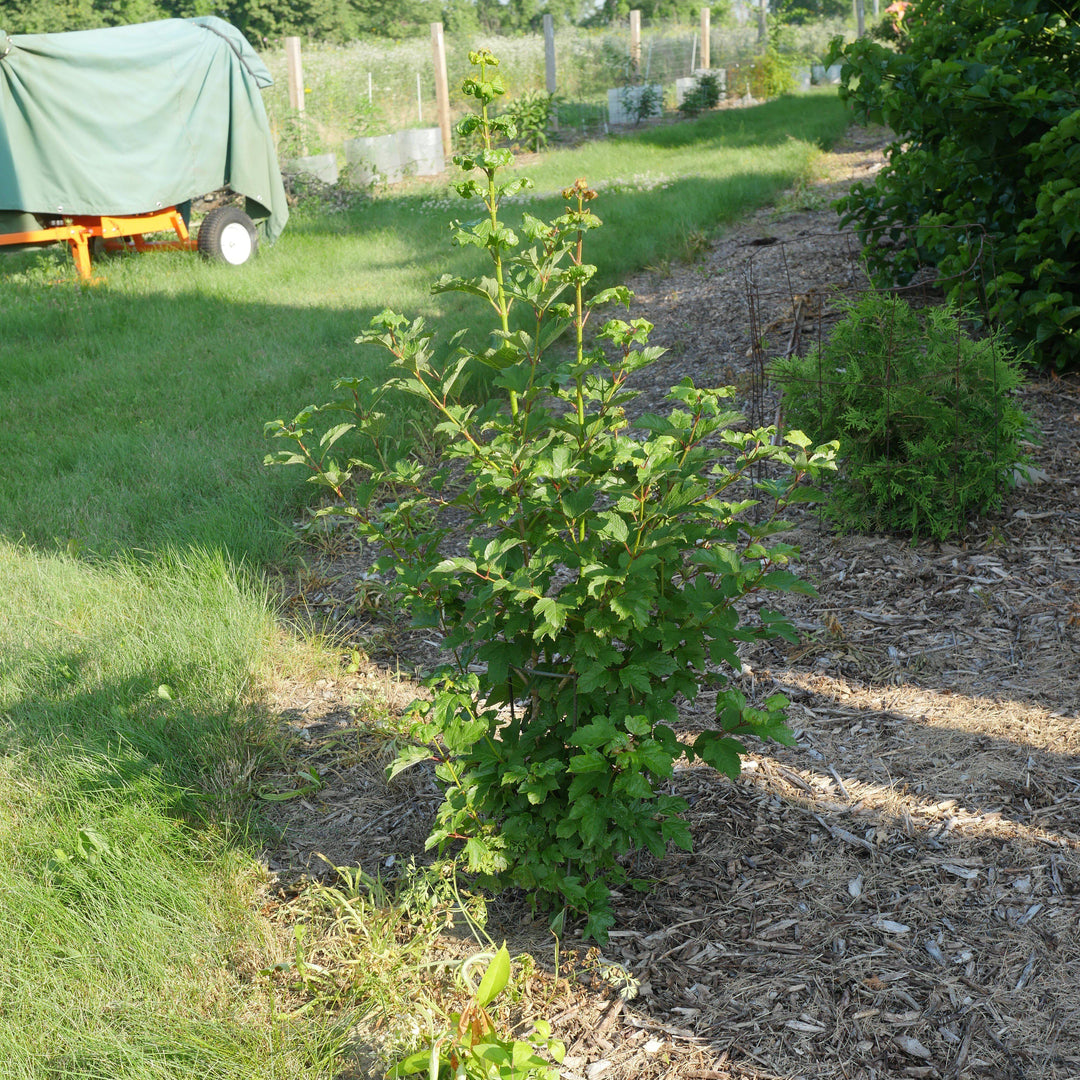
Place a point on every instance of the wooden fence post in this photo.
(860, 18)
(549, 54)
(705, 30)
(296, 74)
(549, 66)
(296, 86)
(635, 41)
(442, 87)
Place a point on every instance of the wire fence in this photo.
(371, 88)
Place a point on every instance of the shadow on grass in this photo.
(120, 734)
(153, 390)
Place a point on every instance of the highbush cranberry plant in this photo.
(602, 562)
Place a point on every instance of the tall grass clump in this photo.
(126, 880)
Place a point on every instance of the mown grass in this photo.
(135, 640)
(133, 411)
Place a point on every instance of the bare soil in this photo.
(898, 895)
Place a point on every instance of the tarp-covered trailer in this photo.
(107, 135)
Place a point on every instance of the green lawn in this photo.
(136, 520)
(133, 411)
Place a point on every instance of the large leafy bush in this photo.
(984, 98)
(930, 430)
(602, 565)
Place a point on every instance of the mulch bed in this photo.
(898, 895)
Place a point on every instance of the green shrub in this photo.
(771, 74)
(705, 94)
(768, 75)
(928, 426)
(532, 113)
(603, 563)
(985, 105)
(642, 101)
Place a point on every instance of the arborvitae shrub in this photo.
(929, 427)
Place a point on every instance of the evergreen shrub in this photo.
(929, 428)
(705, 94)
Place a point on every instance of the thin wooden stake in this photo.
(549, 66)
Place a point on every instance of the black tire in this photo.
(228, 235)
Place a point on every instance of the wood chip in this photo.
(800, 1025)
(912, 1046)
(891, 927)
(966, 872)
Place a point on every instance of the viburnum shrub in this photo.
(585, 570)
(926, 414)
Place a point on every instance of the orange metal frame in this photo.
(117, 232)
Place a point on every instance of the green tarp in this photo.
(135, 118)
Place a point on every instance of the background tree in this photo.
(985, 105)
(335, 20)
(45, 17)
(684, 11)
(807, 11)
(342, 20)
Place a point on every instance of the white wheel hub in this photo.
(236, 245)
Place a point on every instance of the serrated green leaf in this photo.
(590, 819)
(785, 581)
(552, 616)
(722, 752)
(635, 677)
(477, 853)
(598, 732)
(613, 527)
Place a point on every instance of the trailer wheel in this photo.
(228, 235)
